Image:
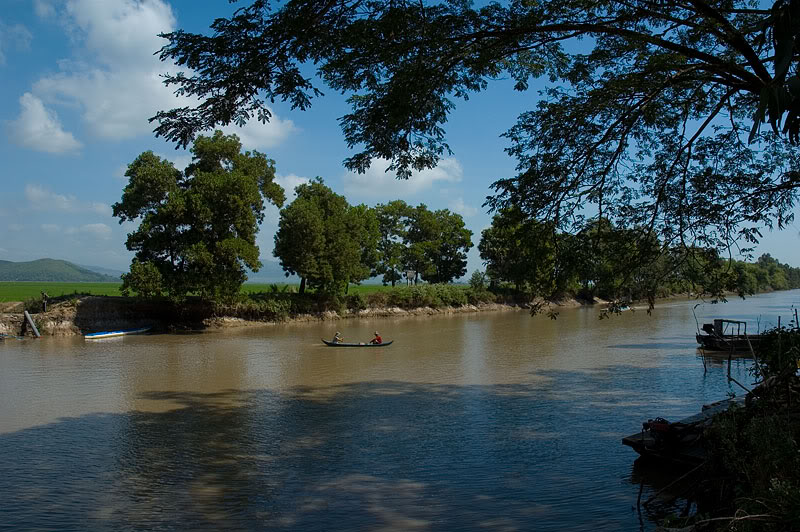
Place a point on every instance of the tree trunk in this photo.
(302, 285)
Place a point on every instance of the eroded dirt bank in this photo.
(98, 313)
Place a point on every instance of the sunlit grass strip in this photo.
(256, 288)
(21, 291)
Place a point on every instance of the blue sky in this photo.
(78, 81)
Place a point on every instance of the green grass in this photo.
(20, 291)
(254, 288)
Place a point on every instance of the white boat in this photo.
(112, 334)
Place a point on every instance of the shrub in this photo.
(356, 301)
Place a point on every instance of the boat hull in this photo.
(345, 344)
(114, 334)
(727, 342)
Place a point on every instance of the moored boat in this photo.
(112, 334)
(365, 344)
(681, 441)
(720, 336)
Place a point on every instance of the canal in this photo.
(486, 421)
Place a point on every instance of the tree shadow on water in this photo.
(362, 456)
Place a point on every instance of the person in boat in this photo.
(337, 338)
(377, 339)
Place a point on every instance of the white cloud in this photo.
(272, 213)
(42, 198)
(16, 36)
(100, 208)
(51, 228)
(44, 8)
(113, 78)
(38, 128)
(96, 230)
(181, 159)
(257, 136)
(376, 183)
(458, 205)
(16, 227)
(289, 183)
(119, 173)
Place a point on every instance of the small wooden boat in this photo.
(112, 334)
(365, 344)
(679, 442)
(720, 336)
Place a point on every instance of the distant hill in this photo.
(271, 272)
(51, 270)
(105, 271)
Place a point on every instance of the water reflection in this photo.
(496, 421)
(358, 456)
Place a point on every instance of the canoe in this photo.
(345, 344)
(112, 334)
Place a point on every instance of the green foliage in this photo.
(437, 243)
(392, 224)
(356, 302)
(430, 295)
(197, 227)
(654, 124)
(755, 467)
(778, 353)
(521, 252)
(615, 263)
(325, 241)
(756, 452)
(144, 280)
(478, 280)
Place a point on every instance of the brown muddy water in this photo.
(491, 421)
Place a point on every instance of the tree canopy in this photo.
(653, 116)
(325, 240)
(197, 228)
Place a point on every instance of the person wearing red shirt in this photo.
(377, 339)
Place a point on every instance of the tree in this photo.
(653, 118)
(197, 228)
(521, 252)
(392, 221)
(324, 240)
(143, 279)
(450, 246)
(436, 245)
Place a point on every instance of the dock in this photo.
(684, 444)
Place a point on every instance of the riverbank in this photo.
(78, 316)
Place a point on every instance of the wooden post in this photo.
(33, 325)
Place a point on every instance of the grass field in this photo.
(249, 288)
(21, 291)
(17, 291)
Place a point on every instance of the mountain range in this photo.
(53, 270)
